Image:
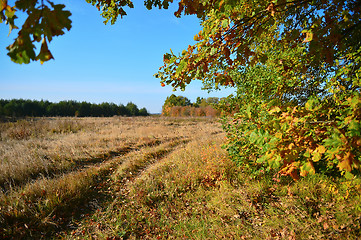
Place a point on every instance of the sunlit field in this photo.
(38, 148)
(51, 164)
(154, 178)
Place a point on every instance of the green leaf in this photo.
(181, 66)
(262, 159)
(332, 142)
(248, 111)
(355, 128)
(9, 11)
(312, 104)
(55, 21)
(274, 110)
(253, 137)
(307, 154)
(349, 176)
(225, 23)
(355, 100)
(22, 50)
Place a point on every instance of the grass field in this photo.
(155, 178)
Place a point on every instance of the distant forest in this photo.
(179, 106)
(34, 108)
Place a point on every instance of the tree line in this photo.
(44, 108)
(177, 106)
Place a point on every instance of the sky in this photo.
(99, 63)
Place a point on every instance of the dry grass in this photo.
(163, 178)
(196, 192)
(46, 174)
(42, 147)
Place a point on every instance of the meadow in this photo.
(155, 178)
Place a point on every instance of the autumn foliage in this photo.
(179, 106)
(296, 68)
(189, 111)
(295, 65)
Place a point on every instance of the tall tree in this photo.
(132, 109)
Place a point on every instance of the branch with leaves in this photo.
(44, 21)
(242, 33)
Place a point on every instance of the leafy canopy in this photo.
(174, 100)
(296, 67)
(303, 41)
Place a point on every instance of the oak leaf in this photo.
(271, 8)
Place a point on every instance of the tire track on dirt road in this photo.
(79, 164)
(37, 219)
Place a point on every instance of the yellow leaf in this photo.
(273, 110)
(345, 165)
(291, 145)
(321, 149)
(309, 37)
(316, 157)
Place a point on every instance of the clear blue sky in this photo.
(104, 63)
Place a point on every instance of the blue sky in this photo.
(104, 63)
